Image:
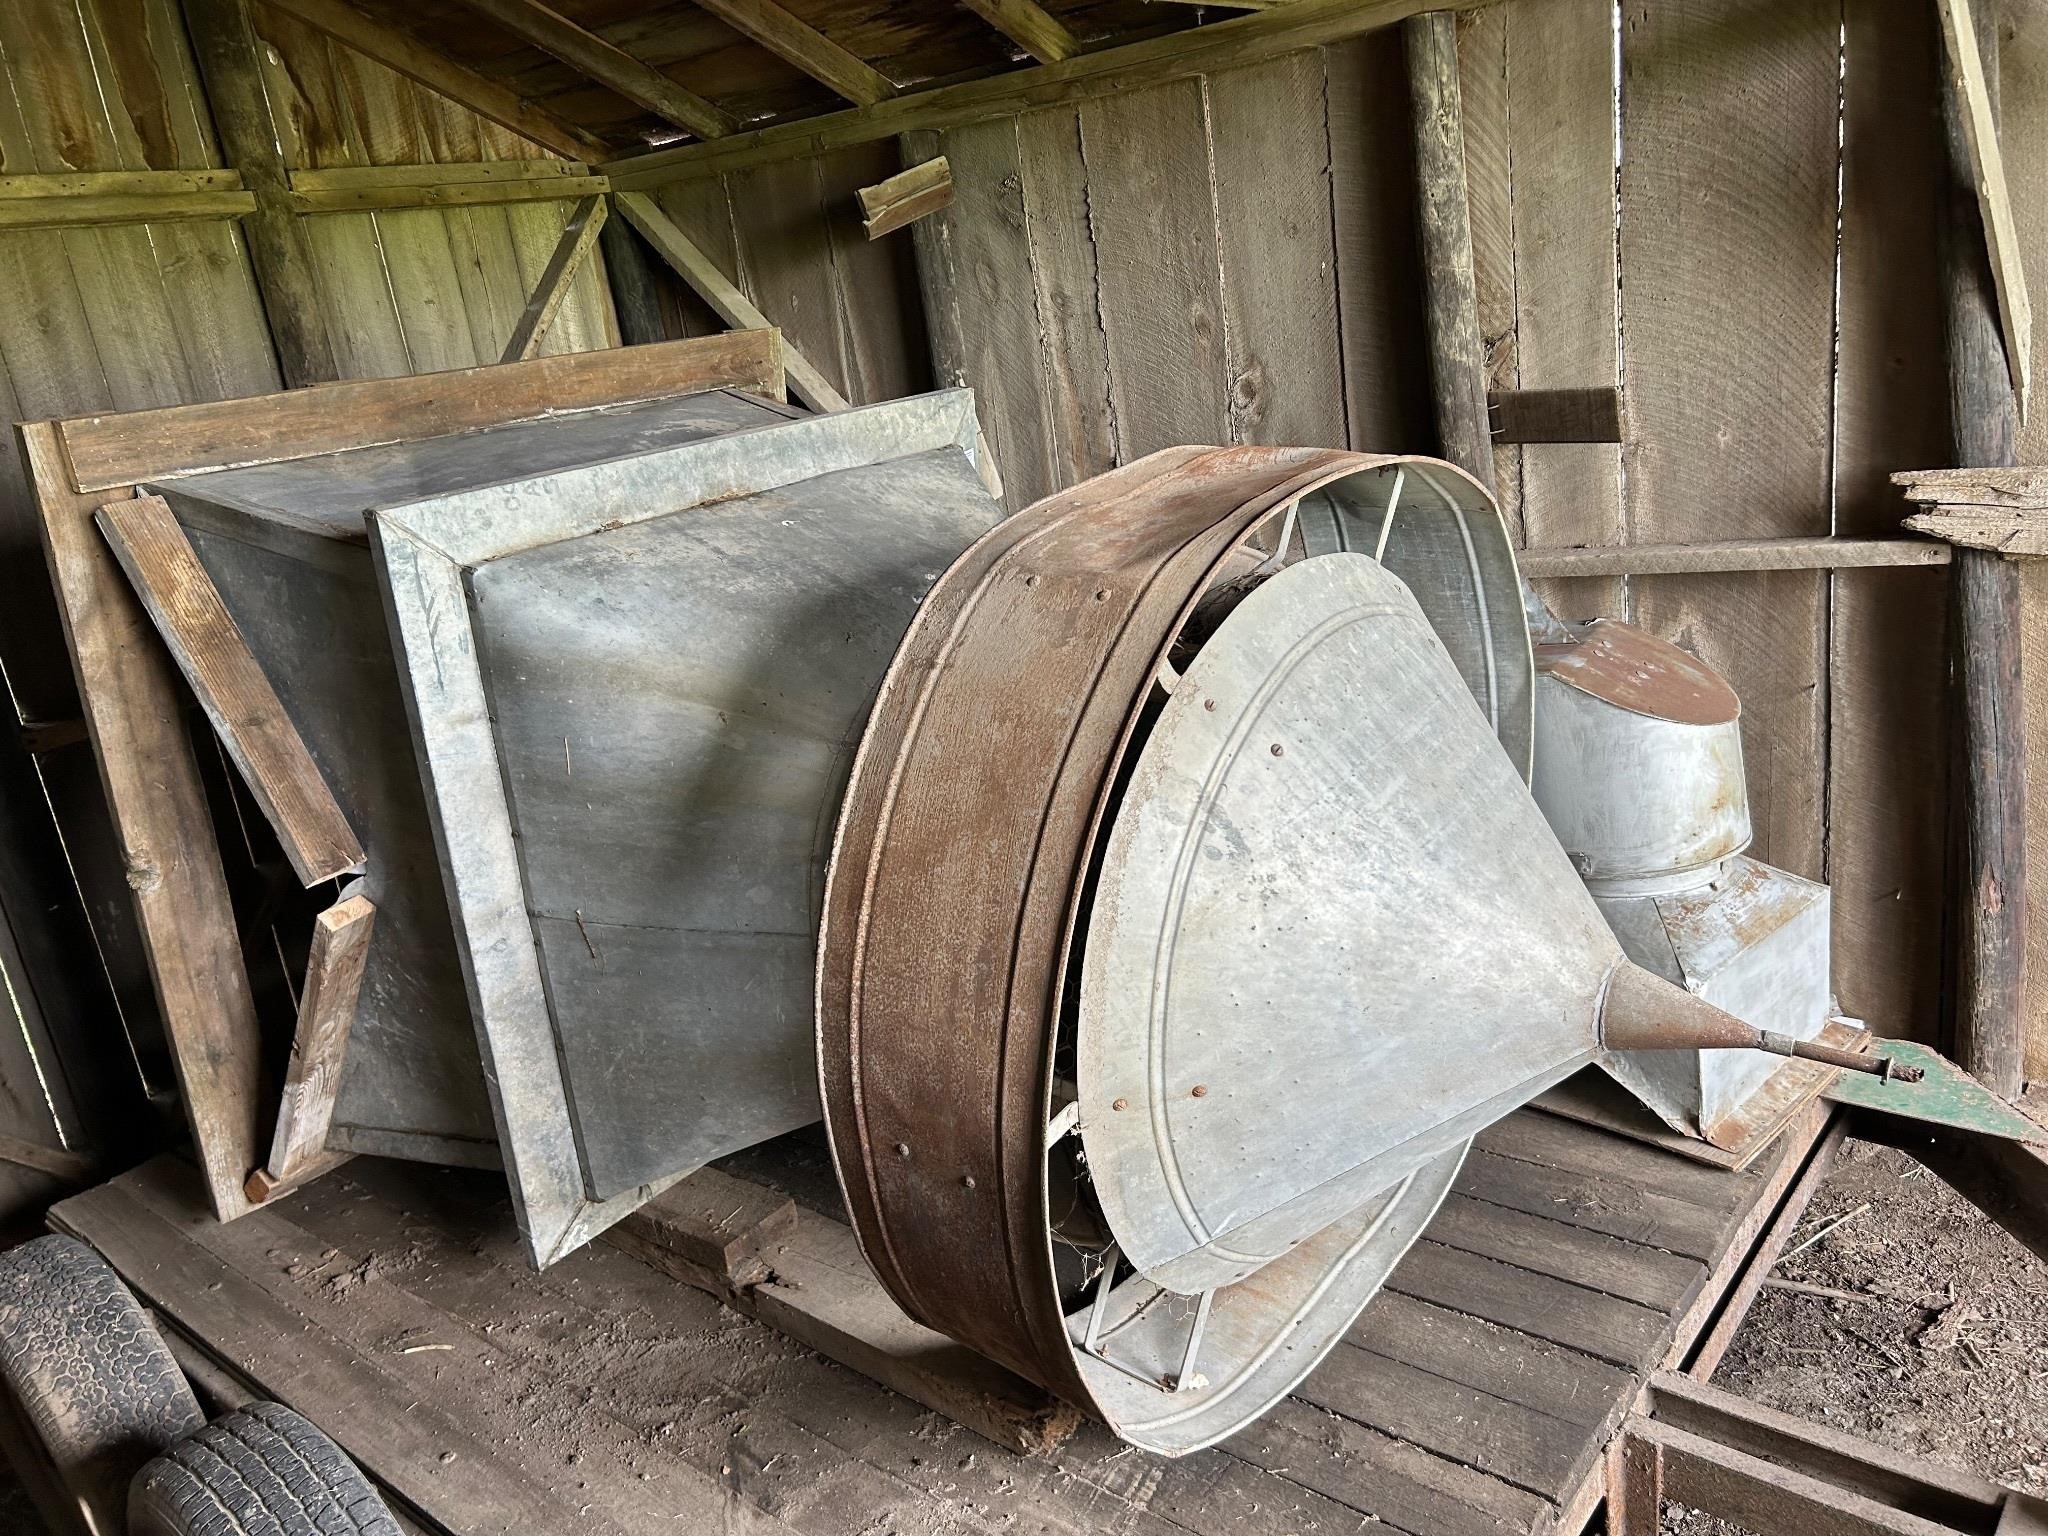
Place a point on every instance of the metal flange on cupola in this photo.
(1190, 911)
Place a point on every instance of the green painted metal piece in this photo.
(1947, 1095)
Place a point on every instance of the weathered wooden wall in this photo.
(1232, 259)
(125, 316)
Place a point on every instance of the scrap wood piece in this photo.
(710, 1230)
(327, 1009)
(906, 197)
(2002, 510)
(209, 648)
(579, 237)
(1987, 167)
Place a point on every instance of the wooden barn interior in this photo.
(1724, 301)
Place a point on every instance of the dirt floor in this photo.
(1907, 1318)
(1904, 1316)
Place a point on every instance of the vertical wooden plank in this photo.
(1080, 426)
(1490, 197)
(2023, 130)
(1277, 252)
(1154, 221)
(881, 320)
(977, 254)
(1888, 738)
(1379, 277)
(785, 260)
(1729, 126)
(703, 211)
(1560, 85)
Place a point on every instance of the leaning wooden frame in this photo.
(134, 704)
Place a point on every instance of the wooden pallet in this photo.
(390, 1303)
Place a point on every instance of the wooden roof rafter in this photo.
(795, 41)
(607, 64)
(1030, 26)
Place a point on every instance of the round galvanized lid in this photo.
(1291, 994)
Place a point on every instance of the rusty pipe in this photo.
(1641, 1011)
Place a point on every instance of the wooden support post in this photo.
(231, 61)
(629, 267)
(1990, 888)
(1457, 354)
(585, 224)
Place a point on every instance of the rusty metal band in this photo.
(964, 839)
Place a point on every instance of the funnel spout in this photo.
(1641, 1011)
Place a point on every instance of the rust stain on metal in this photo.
(1636, 671)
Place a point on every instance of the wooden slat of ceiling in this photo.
(910, 43)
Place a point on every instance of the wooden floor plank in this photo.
(1606, 1327)
(1503, 1362)
(1403, 1485)
(1517, 1444)
(1570, 1149)
(1549, 1244)
(1613, 1206)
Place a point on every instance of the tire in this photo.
(91, 1393)
(260, 1471)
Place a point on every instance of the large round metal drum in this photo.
(963, 898)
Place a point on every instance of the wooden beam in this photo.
(1972, 92)
(1730, 555)
(72, 1167)
(1174, 56)
(102, 452)
(906, 197)
(444, 194)
(1989, 894)
(416, 61)
(711, 284)
(1555, 415)
(1457, 353)
(606, 63)
(798, 43)
(340, 178)
(208, 646)
(122, 208)
(1030, 26)
(230, 59)
(585, 224)
(134, 708)
(327, 1010)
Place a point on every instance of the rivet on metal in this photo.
(1121, 1104)
(1102, 596)
(903, 1149)
(1030, 581)
(967, 1181)
(1278, 750)
(1201, 1090)
(1209, 704)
